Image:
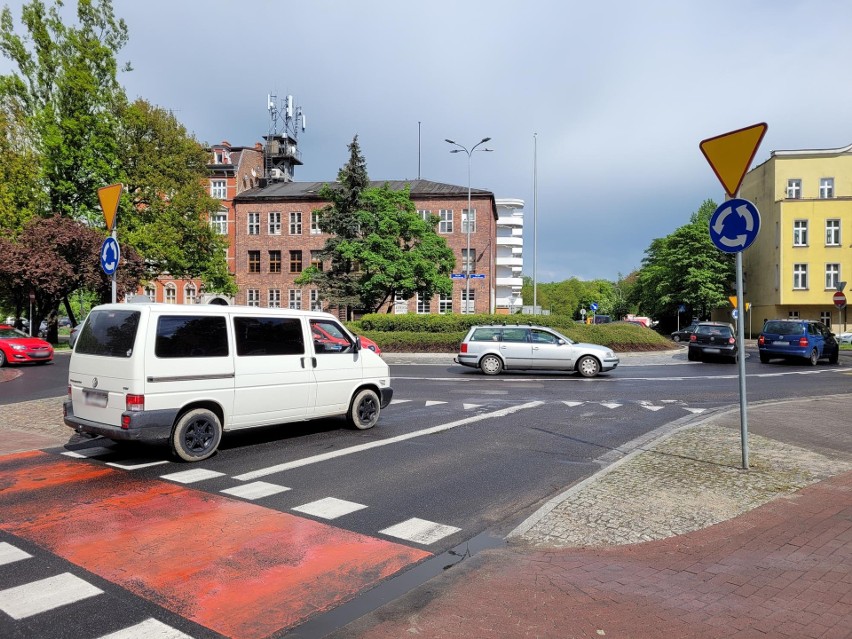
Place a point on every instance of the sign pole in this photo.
(114, 287)
(741, 364)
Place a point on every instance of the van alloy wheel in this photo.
(365, 409)
(196, 435)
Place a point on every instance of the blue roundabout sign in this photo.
(734, 225)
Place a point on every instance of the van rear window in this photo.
(191, 336)
(108, 333)
(269, 336)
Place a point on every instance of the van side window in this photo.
(109, 333)
(329, 337)
(191, 336)
(258, 336)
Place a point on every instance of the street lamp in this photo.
(469, 155)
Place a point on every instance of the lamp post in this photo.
(469, 155)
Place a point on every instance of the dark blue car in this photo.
(797, 339)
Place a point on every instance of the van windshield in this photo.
(108, 333)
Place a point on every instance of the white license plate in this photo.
(96, 398)
(712, 351)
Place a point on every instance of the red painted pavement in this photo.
(237, 568)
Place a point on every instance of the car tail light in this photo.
(761, 340)
(463, 348)
(693, 338)
(803, 341)
(135, 403)
(732, 340)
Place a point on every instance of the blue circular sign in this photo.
(734, 225)
(593, 306)
(110, 254)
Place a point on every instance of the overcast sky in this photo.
(620, 93)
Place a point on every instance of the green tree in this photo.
(684, 268)
(378, 246)
(20, 197)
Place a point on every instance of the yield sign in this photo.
(730, 154)
(108, 197)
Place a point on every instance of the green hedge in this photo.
(443, 333)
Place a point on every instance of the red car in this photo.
(323, 336)
(16, 347)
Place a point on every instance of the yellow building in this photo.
(804, 247)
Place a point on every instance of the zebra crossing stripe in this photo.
(192, 476)
(420, 531)
(148, 629)
(10, 554)
(255, 490)
(329, 508)
(39, 596)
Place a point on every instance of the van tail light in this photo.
(761, 340)
(803, 342)
(135, 403)
(464, 347)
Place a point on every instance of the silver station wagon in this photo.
(495, 348)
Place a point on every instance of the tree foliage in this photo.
(685, 268)
(378, 246)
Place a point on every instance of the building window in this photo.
(832, 232)
(425, 215)
(190, 294)
(468, 260)
(254, 223)
(254, 261)
(170, 294)
(800, 276)
(253, 297)
(826, 188)
(295, 261)
(400, 304)
(274, 261)
(832, 276)
(316, 260)
(800, 233)
(468, 304)
(275, 223)
(295, 223)
(315, 222)
(794, 189)
(219, 222)
(274, 298)
(445, 304)
(424, 304)
(825, 318)
(793, 315)
(295, 298)
(316, 303)
(151, 292)
(445, 224)
(468, 217)
(219, 189)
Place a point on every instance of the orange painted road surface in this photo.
(239, 569)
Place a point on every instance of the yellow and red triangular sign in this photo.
(730, 154)
(108, 197)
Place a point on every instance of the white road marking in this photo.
(39, 596)
(89, 452)
(137, 466)
(694, 411)
(10, 554)
(573, 404)
(255, 490)
(329, 508)
(399, 401)
(148, 629)
(420, 531)
(298, 463)
(434, 403)
(471, 406)
(610, 405)
(192, 476)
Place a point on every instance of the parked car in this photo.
(495, 348)
(845, 338)
(684, 334)
(323, 336)
(16, 347)
(797, 339)
(712, 340)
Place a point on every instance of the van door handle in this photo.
(313, 362)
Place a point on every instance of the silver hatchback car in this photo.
(495, 348)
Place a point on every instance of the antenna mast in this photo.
(281, 153)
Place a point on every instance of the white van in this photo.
(186, 374)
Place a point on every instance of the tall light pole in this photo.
(469, 155)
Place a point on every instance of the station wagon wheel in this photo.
(196, 435)
(588, 366)
(814, 358)
(764, 359)
(491, 365)
(833, 358)
(365, 409)
(676, 338)
(2, 359)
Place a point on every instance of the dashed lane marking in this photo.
(39, 596)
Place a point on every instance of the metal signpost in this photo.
(734, 226)
(110, 253)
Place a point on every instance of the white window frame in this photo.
(793, 314)
(832, 276)
(275, 223)
(832, 232)
(253, 226)
(468, 260)
(219, 189)
(445, 303)
(472, 220)
(219, 221)
(295, 223)
(295, 299)
(794, 189)
(316, 302)
(170, 293)
(825, 318)
(445, 225)
(468, 306)
(424, 305)
(800, 277)
(273, 298)
(800, 232)
(190, 294)
(826, 188)
(151, 292)
(424, 215)
(400, 304)
(253, 297)
(315, 219)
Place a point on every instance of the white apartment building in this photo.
(509, 260)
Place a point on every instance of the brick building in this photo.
(276, 237)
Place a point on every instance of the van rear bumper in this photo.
(154, 425)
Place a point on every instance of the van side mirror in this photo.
(358, 346)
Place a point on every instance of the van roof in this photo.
(212, 309)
